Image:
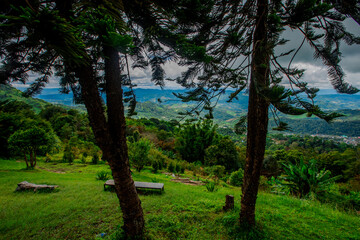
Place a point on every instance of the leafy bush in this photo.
(353, 199)
(217, 171)
(83, 159)
(236, 178)
(263, 184)
(95, 158)
(223, 153)
(276, 186)
(155, 166)
(158, 156)
(171, 167)
(303, 179)
(48, 158)
(355, 183)
(103, 175)
(341, 198)
(68, 156)
(182, 167)
(139, 153)
(178, 168)
(193, 139)
(169, 154)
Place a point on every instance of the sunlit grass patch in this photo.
(81, 209)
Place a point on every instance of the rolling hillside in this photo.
(225, 114)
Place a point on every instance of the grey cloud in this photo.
(351, 64)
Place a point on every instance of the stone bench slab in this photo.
(139, 185)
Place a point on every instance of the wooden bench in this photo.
(139, 185)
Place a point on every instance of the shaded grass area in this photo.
(81, 209)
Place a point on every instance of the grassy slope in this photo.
(7, 92)
(11, 93)
(81, 209)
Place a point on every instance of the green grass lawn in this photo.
(81, 209)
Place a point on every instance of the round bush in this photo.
(236, 178)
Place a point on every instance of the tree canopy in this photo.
(28, 142)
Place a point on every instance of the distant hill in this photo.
(348, 125)
(327, 99)
(8, 92)
(225, 114)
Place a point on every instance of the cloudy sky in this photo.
(315, 75)
(316, 72)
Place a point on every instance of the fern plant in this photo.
(211, 186)
(103, 175)
(302, 179)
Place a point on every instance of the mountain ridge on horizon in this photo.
(327, 99)
(225, 115)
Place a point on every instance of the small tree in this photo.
(236, 178)
(155, 166)
(193, 139)
(223, 153)
(68, 156)
(95, 158)
(29, 142)
(138, 153)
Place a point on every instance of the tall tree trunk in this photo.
(118, 160)
(34, 158)
(112, 140)
(110, 133)
(26, 160)
(257, 115)
(31, 158)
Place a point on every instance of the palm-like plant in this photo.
(303, 178)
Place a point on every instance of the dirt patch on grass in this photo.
(187, 181)
(60, 171)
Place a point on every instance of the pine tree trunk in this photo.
(112, 142)
(110, 133)
(257, 116)
(119, 162)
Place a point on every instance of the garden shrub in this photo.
(217, 171)
(155, 166)
(302, 178)
(139, 153)
(95, 158)
(263, 184)
(348, 201)
(236, 178)
(171, 167)
(157, 155)
(83, 158)
(177, 167)
(68, 156)
(223, 153)
(182, 167)
(48, 158)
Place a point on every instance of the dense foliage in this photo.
(193, 139)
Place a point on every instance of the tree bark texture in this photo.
(119, 161)
(110, 137)
(257, 115)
